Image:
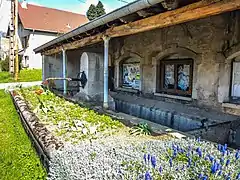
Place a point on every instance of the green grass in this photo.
(18, 159)
(24, 76)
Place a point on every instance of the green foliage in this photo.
(141, 129)
(95, 11)
(100, 9)
(67, 119)
(24, 76)
(5, 64)
(18, 159)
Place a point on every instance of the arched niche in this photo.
(177, 54)
(128, 60)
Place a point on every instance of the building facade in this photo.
(34, 30)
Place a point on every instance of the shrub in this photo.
(5, 64)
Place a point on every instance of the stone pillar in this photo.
(105, 98)
(92, 65)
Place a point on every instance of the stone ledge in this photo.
(231, 105)
(44, 141)
(127, 90)
(173, 96)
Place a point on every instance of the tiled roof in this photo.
(48, 19)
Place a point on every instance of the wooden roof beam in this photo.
(191, 12)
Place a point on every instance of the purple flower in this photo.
(174, 153)
(189, 162)
(219, 173)
(238, 176)
(225, 147)
(214, 168)
(228, 178)
(160, 169)
(170, 162)
(228, 162)
(219, 147)
(198, 139)
(200, 176)
(222, 160)
(211, 158)
(205, 178)
(148, 176)
(198, 149)
(228, 152)
(148, 157)
(145, 158)
(237, 155)
(153, 161)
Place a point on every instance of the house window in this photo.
(176, 77)
(26, 59)
(235, 94)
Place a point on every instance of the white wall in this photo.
(36, 39)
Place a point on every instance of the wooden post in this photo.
(11, 39)
(16, 42)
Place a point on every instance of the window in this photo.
(235, 94)
(176, 77)
(131, 75)
(26, 59)
(25, 41)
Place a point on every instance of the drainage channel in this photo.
(220, 132)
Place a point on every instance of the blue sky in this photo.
(78, 6)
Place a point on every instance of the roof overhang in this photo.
(86, 34)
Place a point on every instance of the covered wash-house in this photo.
(175, 60)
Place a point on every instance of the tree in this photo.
(91, 13)
(95, 11)
(100, 9)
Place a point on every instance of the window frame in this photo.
(161, 74)
(121, 74)
(233, 99)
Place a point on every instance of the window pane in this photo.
(169, 77)
(236, 80)
(131, 76)
(183, 77)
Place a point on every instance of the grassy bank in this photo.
(18, 159)
(24, 76)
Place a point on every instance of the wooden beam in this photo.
(199, 10)
(178, 16)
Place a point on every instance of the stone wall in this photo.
(209, 42)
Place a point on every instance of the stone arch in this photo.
(182, 52)
(233, 52)
(118, 62)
